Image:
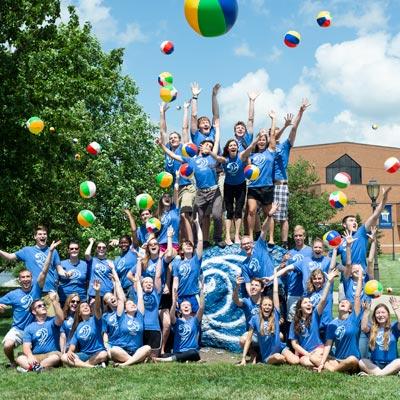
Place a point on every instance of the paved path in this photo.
(382, 299)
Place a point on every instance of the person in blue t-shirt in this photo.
(70, 306)
(304, 329)
(141, 235)
(86, 349)
(186, 329)
(34, 257)
(261, 190)
(186, 269)
(75, 277)
(21, 300)
(383, 337)
(280, 176)
(41, 341)
(343, 333)
(265, 325)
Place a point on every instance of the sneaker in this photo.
(221, 244)
(22, 370)
(102, 365)
(37, 368)
(362, 373)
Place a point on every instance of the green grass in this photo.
(389, 273)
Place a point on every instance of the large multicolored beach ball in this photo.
(251, 172)
(337, 199)
(342, 180)
(324, 19)
(93, 148)
(392, 164)
(153, 225)
(164, 179)
(86, 218)
(168, 93)
(211, 17)
(292, 39)
(165, 79)
(167, 47)
(35, 125)
(87, 189)
(373, 288)
(144, 201)
(189, 150)
(186, 171)
(332, 239)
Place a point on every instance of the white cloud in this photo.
(244, 50)
(275, 54)
(345, 117)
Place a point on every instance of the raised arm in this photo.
(43, 273)
(235, 293)
(214, 102)
(349, 240)
(245, 154)
(88, 251)
(373, 219)
(8, 256)
(200, 311)
(97, 300)
(133, 226)
(250, 120)
(139, 292)
(395, 303)
(371, 254)
(193, 115)
(199, 247)
(288, 122)
(217, 136)
(365, 318)
(265, 225)
(333, 259)
(304, 105)
(185, 122)
(59, 314)
(272, 139)
(157, 278)
(172, 310)
(218, 158)
(118, 291)
(169, 152)
(359, 288)
(163, 122)
(170, 249)
(275, 290)
(331, 277)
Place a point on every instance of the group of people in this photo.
(148, 303)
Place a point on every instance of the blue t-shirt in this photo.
(197, 137)
(315, 298)
(21, 302)
(151, 303)
(204, 168)
(169, 218)
(111, 327)
(379, 354)
(131, 331)
(150, 270)
(345, 334)
(265, 162)
(358, 248)
(88, 336)
(234, 170)
(294, 280)
(186, 332)
(125, 263)
(142, 234)
(281, 162)
(350, 287)
(77, 283)
(66, 328)
(260, 264)
(250, 309)
(34, 259)
(44, 337)
(244, 142)
(269, 344)
(309, 338)
(188, 273)
(172, 165)
(100, 270)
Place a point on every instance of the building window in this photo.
(344, 164)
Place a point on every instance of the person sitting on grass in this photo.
(86, 336)
(41, 340)
(186, 330)
(343, 332)
(383, 337)
(304, 329)
(266, 326)
(69, 309)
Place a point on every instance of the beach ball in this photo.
(324, 19)
(93, 148)
(251, 172)
(189, 150)
(342, 180)
(35, 125)
(392, 164)
(167, 47)
(292, 39)
(144, 201)
(374, 127)
(373, 288)
(165, 79)
(337, 199)
(211, 17)
(87, 189)
(153, 225)
(168, 93)
(164, 179)
(86, 218)
(186, 171)
(332, 239)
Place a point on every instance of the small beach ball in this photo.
(324, 19)
(373, 288)
(251, 172)
(342, 180)
(392, 164)
(337, 199)
(189, 150)
(153, 225)
(86, 218)
(168, 93)
(167, 47)
(211, 17)
(165, 79)
(35, 125)
(332, 239)
(186, 171)
(164, 179)
(144, 201)
(292, 39)
(93, 148)
(87, 189)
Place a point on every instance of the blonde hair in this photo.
(375, 328)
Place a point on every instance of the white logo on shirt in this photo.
(101, 268)
(169, 161)
(166, 219)
(85, 331)
(149, 301)
(75, 273)
(258, 159)
(254, 265)
(112, 321)
(314, 265)
(40, 258)
(184, 270)
(42, 334)
(340, 331)
(315, 299)
(232, 168)
(255, 310)
(380, 340)
(26, 301)
(298, 257)
(184, 331)
(201, 162)
(133, 327)
(120, 264)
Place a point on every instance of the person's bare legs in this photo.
(290, 357)
(251, 216)
(238, 225)
(8, 348)
(76, 362)
(166, 326)
(276, 359)
(350, 364)
(139, 356)
(228, 226)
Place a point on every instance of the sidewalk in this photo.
(382, 299)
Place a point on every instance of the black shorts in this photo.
(264, 194)
(152, 338)
(165, 302)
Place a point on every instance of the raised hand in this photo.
(348, 237)
(253, 95)
(96, 285)
(186, 104)
(372, 235)
(288, 120)
(304, 105)
(239, 280)
(274, 208)
(394, 302)
(216, 88)
(196, 89)
(53, 296)
(272, 114)
(333, 274)
(385, 193)
(54, 244)
(92, 240)
(163, 107)
(170, 231)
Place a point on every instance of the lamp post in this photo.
(373, 193)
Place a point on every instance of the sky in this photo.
(350, 72)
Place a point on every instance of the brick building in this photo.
(362, 162)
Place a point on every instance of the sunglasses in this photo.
(74, 248)
(75, 301)
(101, 247)
(40, 306)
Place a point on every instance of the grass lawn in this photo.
(389, 272)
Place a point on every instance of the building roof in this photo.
(347, 143)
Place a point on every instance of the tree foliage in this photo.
(60, 73)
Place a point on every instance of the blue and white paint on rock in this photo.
(223, 322)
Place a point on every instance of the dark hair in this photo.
(183, 241)
(207, 141)
(145, 209)
(73, 242)
(40, 228)
(225, 152)
(298, 319)
(201, 118)
(256, 149)
(161, 207)
(126, 237)
(175, 133)
(240, 123)
(34, 302)
(344, 220)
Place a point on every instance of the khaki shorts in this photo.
(41, 357)
(14, 335)
(186, 195)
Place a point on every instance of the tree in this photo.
(61, 74)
